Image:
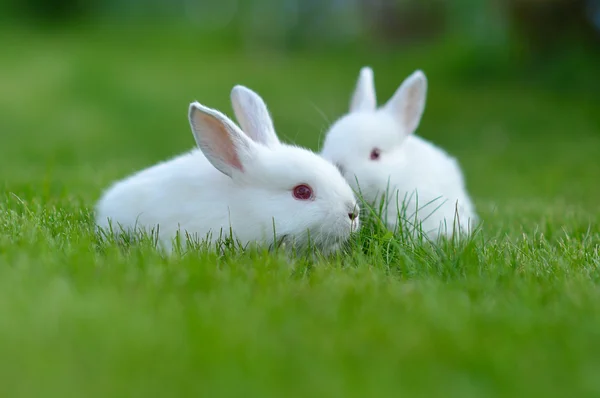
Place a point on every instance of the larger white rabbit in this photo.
(377, 152)
(247, 182)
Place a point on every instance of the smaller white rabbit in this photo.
(248, 183)
(377, 152)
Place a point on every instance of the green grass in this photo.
(515, 312)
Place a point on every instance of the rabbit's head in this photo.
(282, 192)
(363, 144)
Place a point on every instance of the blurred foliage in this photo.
(556, 42)
(308, 22)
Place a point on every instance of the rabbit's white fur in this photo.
(424, 184)
(238, 181)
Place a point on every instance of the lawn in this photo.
(514, 312)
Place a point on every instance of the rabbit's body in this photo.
(153, 197)
(378, 154)
(429, 194)
(246, 191)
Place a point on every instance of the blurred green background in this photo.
(93, 90)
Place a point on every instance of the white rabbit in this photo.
(246, 182)
(377, 152)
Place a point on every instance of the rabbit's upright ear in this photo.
(221, 141)
(253, 116)
(364, 98)
(408, 102)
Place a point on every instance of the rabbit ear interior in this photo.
(364, 98)
(221, 141)
(253, 116)
(408, 102)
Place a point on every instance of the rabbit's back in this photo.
(433, 182)
(177, 194)
(422, 164)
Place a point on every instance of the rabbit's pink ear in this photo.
(221, 141)
(253, 116)
(408, 102)
(364, 98)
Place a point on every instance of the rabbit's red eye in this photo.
(303, 192)
(375, 154)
